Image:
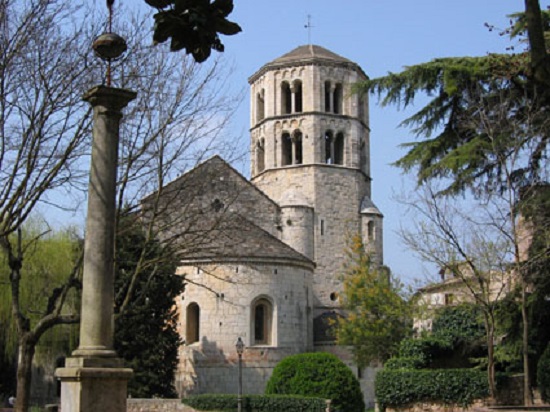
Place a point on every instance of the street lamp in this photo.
(240, 349)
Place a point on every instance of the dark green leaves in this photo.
(193, 25)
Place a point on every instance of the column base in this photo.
(93, 384)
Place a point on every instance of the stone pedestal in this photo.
(93, 384)
(94, 379)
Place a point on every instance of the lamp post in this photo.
(240, 349)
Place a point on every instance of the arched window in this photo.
(328, 97)
(260, 155)
(192, 322)
(370, 231)
(329, 148)
(260, 106)
(339, 149)
(297, 141)
(297, 85)
(262, 322)
(287, 149)
(286, 98)
(337, 100)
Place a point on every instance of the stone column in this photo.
(94, 379)
(292, 98)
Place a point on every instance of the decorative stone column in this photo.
(94, 379)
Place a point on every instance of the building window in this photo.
(297, 91)
(192, 323)
(286, 98)
(449, 299)
(328, 97)
(334, 148)
(260, 155)
(339, 149)
(337, 99)
(370, 231)
(287, 150)
(260, 106)
(262, 315)
(298, 154)
(329, 148)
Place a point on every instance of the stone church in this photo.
(263, 257)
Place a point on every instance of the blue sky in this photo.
(381, 36)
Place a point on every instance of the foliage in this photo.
(317, 374)
(256, 403)
(405, 362)
(50, 257)
(451, 145)
(425, 349)
(543, 375)
(460, 324)
(399, 388)
(193, 25)
(377, 315)
(146, 333)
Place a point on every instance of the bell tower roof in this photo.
(307, 54)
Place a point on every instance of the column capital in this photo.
(110, 97)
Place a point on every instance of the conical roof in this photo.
(307, 54)
(310, 52)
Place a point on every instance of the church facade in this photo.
(263, 257)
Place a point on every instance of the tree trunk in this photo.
(490, 328)
(527, 398)
(24, 373)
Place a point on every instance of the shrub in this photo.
(425, 349)
(256, 403)
(405, 363)
(318, 374)
(459, 324)
(398, 388)
(543, 375)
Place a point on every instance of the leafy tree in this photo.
(377, 316)
(193, 25)
(320, 375)
(50, 261)
(175, 122)
(146, 333)
(485, 128)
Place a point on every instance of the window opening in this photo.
(260, 106)
(370, 230)
(339, 149)
(192, 323)
(298, 96)
(337, 100)
(329, 148)
(263, 313)
(287, 149)
(298, 154)
(260, 156)
(286, 98)
(327, 97)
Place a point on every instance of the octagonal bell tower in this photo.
(310, 153)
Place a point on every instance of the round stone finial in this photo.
(109, 46)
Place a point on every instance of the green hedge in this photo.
(318, 374)
(543, 375)
(256, 403)
(397, 388)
